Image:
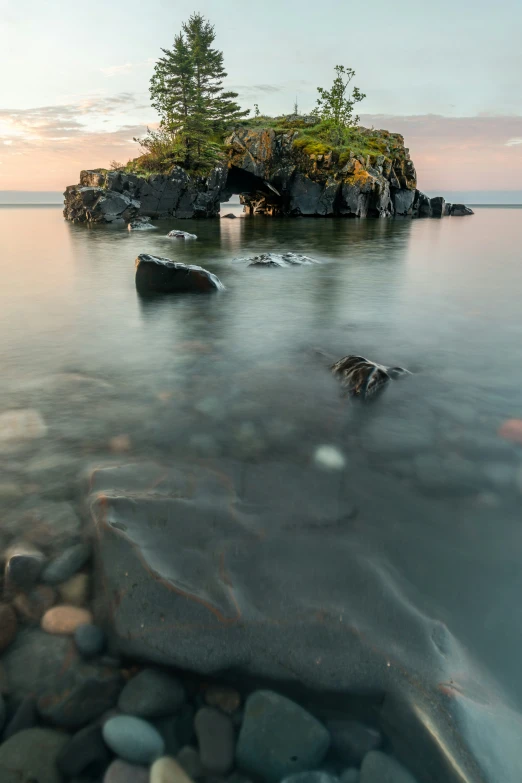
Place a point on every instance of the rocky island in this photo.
(278, 168)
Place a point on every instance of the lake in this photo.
(436, 490)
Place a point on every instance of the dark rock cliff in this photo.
(273, 174)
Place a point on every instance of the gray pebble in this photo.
(350, 775)
(86, 751)
(152, 694)
(23, 566)
(379, 767)
(25, 717)
(133, 739)
(215, 733)
(66, 564)
(31, 755)
(352, 740)
(189, 759)
(90, 640)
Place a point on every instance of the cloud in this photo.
(116, 70)
(513, 142)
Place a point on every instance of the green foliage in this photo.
(256, 110)
(336, 104)
(320, 140)
(186, 90)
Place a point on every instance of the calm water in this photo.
(438, 492)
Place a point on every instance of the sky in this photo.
(447, 75)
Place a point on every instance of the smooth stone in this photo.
(8, 626)
(352, 740)
(152, 694)
(23, 566)
(33, 605)
(25, 717)
(161, 275)
(20, 425)
(379, 767)
(50, 525)
(133, 739)
(90, 640)
(314, 776)
(216, 740)
(122, 772)
(350, 775)
(67, 563)
(86, 752)
(75, 591)
(329, 457)
(177, 233)
(80, 694)
(32, 754)
(35, 661)
(279, 738)
(226, 699)
(167, 770)
(64, 620)
(189, 759)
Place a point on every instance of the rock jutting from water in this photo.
(177, 233)
(274, 173)
(364, 379)
(141, 224)
(155, 275)
(280, 260)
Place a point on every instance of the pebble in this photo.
(24, 564)
(90, 640)
(215, 733)
(24, 424)
(67, 563)
(25, 717)
(189, 759)
(511, 430)
(315, 776)
(152, 694)
(8, 625)
(329, 457)
(33, 605)
(227, 699)
(167, 770)
(34, 661)
(120, 444)
(350, 775)
(279, 738)
(168, 728)
(75, 591)
(85, 752)
(121, 772)
(133, 739)
(65, 620)
(352, 740)
(31, 755)
(379, 767)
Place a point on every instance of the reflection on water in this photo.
(234, 376)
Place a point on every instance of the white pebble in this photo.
(329, 457)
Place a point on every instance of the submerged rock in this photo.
(362, 378)
(176, 233)
(141, 224)
(281, 260)
(163, 276)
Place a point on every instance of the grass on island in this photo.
(319, 138)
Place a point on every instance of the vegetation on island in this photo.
(197, 113)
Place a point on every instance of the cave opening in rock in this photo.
(256, 195)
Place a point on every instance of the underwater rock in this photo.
(362, 378)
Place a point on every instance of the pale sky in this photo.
(448, 75)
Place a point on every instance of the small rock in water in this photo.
(156, 275)
(178, 234)
(227, 699)
(279, 738)
(140, 224)
(85, 752)
(167, 770)
(90, 640)
(31, 755)
(122, 772)
(281, 260)
(329, 457)
(152, 694)
(120, 444)
(8, 625)
(362, 378)
(133, 739)
(511, 430)
(25, 717)
(24, 563)
(25, 424)
(352, 740)
(64, 620)
(379, 767)
(67, 564)
(229, 215)
(75, 591)
(33, 605)
(215, 733)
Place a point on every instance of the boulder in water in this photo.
(155, 275)
(362, 378)
(281, 260)
(460, 210)
(140, 224)
(176, 233)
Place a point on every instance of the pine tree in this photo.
(186, 89)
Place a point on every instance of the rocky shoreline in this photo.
(272, 176)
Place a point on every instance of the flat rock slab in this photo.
(263, 569)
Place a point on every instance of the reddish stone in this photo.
(511, 430)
